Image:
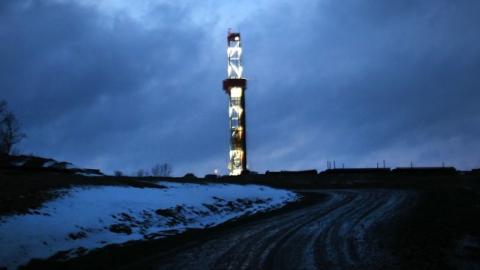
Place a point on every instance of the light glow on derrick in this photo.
(234, 53)
(235, 87)
(236, 92)
(235, 165)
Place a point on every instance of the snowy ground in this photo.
(91, 217)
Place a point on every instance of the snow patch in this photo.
(88, 174)
(92, 217)
(49, 163)
(19, 163)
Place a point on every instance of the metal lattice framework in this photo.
(234, 53)
(235, 86)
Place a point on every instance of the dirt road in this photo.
(337, 233)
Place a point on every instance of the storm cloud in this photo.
(121, 85)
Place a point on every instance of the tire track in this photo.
(334, 234)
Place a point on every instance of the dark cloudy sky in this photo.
(122, 85)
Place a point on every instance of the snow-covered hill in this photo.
(85, 218)
(40, 164)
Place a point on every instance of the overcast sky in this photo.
(122, 85)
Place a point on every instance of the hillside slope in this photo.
(89, 217)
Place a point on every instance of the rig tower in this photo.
(235, 86)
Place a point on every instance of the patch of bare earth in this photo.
(441, 231)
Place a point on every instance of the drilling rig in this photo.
(235, 86)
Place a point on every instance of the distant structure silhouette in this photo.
(235, 86)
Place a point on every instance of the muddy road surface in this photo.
(338, 232)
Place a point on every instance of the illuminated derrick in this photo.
(235, 86)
